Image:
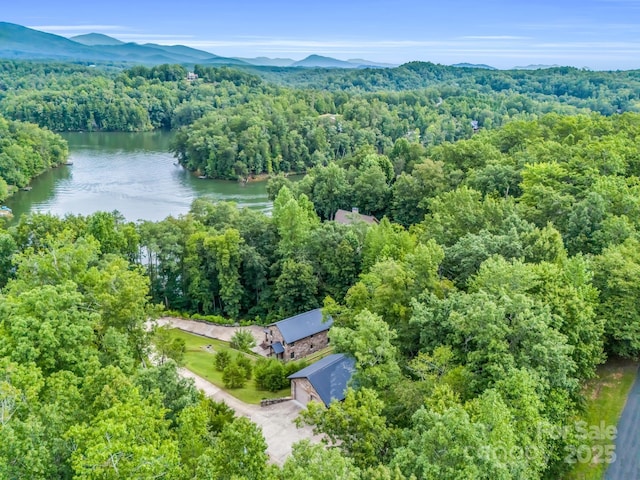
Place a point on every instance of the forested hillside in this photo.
(269, 120)
(65, 97)
(504, 270)
(25, 152)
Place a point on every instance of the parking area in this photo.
(276, 421)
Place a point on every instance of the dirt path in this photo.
(627, 462)
(275, 420)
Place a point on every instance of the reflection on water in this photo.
(133, 173)
(110, 142)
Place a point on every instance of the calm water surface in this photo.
(133, 173)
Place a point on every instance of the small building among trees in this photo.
(298, 336)
(324, 381)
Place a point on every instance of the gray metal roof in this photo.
(329, 376)
(303, 325)
(277, 347)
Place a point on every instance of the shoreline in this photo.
(13, 189)
(257, 178)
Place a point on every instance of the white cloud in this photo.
(590, 45)
(145, 36)
(623, 2)
(77, 28)
(320, 44)
(580, 26)
(495, 37)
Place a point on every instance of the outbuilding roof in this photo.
(329, 376)
(348, 218)
(303, 325)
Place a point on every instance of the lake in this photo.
(133, 173)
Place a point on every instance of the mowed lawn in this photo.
(199, 359)
(605, 397)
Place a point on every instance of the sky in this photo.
(595, 34)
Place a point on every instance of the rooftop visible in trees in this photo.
(347, 218)
(303, 325)
(329, 376)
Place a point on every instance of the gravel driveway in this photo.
(220, 332)
(275, 420)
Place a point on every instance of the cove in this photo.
(133, 173)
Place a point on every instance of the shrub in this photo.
(270, 374)
(246, 364)
(243, 340)
(292, 367)
(215, 319)
(234, 376)
(221, 360)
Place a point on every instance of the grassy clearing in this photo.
(605, 396)
(199, 359)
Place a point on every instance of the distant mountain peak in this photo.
(315, 60)
(535, 67)
(92, 39)
(370, 63)
(267, 62)
(474, 65)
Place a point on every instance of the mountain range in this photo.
(19, 42)
(474, 65)
(22, 43)
(536, 67)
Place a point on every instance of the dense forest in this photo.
(236, 123)
(504, 270)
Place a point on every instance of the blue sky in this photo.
(598, 34)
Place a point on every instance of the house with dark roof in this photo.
(298, 336)
(324, 381)
(354, 216)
